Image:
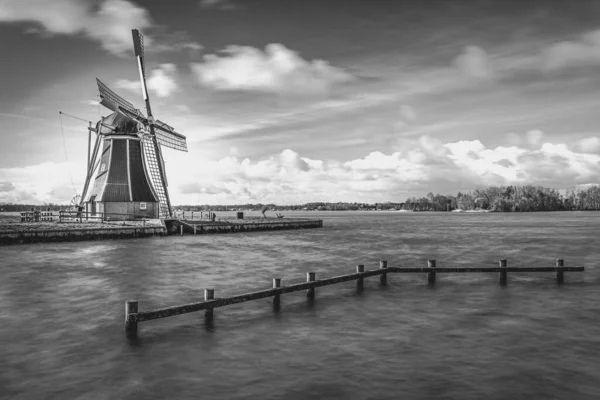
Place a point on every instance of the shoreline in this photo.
(49, 232)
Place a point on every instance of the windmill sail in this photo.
(112, 101)
(167, 136)
(152, 160)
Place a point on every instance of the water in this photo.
(62, 306)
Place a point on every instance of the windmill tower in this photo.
(126, 171)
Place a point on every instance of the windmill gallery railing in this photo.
(133, 315)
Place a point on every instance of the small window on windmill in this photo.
(143, 206)
(102, 167)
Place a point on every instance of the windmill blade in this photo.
(167, 136)
(153, 157)
(138, 47)
(114, 102)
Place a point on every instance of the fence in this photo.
(37, 216)
(133, 315)
(80, 216)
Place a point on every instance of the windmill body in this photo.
(126, 173)
(122, 185)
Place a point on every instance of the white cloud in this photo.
(583, 51)
(474, 63)
(43, 183)
(426, 165)
(110, 23)
(588, 145)
(277, 70)
(161, 81)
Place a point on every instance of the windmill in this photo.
(126, 170)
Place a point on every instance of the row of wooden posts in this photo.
(133, 315)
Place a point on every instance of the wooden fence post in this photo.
(131, 325)
(359, 281)
(503, 274)
(560, 273)
(276, 298)
(209, 294)
(310, 277)
(431, 274)
(383, 277)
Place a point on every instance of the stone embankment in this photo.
(40, 232)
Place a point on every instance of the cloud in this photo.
(277, 69)
(426, 165)
(286, 177)
(588, 145)
(90, 102)
(583, 51)
(161, 81)
(473, 62)
(109, 23)
(6, 186)
(534, 137)
(172, 42)
(217, 4)
(36, 184)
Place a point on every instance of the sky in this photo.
(318, 100)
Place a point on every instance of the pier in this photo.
(199, 227)
(69, 226)
(133, 316)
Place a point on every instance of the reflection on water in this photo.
(62, 334)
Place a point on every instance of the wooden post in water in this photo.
(194, 228)
(431, 275)
(310, 277)
(383, 277)
(277, 297)
(131, 309)
(209, 294)
(181, 229)
(560, 274)
(359, 281)
(503, 274)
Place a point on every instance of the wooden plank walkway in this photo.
(133, 316)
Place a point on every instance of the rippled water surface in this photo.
(62, 310)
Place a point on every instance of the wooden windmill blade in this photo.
(91, 166)
(155, 165)
(167, 137)
(114, 102)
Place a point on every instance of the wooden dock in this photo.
(133, 315)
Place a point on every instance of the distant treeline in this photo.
(29, 207)
(510, 199)
(494, 198)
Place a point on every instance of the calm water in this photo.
(62, 333)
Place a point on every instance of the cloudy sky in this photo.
(314, 100)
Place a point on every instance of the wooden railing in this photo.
(133, 315)
(80, 216)
(36, 216)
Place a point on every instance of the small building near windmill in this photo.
(122, 187)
